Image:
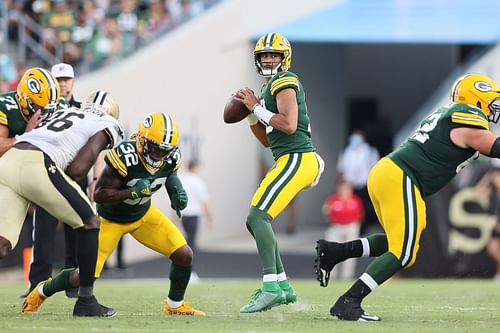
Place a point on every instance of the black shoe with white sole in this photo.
(328, 254)
(89, 307)
(348, 308)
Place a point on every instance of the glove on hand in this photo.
(178, 200)
(141, 189)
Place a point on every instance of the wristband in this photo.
(252, 119)
(262, 114)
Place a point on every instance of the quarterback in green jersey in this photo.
(22, 110)
(280, 121)
(134, 171)
(444, 143)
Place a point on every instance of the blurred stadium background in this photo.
(372, 65)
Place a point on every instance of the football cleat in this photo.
(183, 310)
(290, 295)
(34, 300)
(328, 254)
(89, 307)
(348, 308)
(264, 300)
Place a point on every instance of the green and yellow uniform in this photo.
(297, 165)
(137, 216)
(422, 165)
(11, 114)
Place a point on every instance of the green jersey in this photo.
(11, 114)
(429, 157)
(282, 143)
(125, 160)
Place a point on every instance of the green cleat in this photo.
(264, 300)
(290, 295)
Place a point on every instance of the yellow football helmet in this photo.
(157, 140)
(273, 42)
(100, 101)
(37, 90)
(480, 91)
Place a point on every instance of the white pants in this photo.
(342, 233)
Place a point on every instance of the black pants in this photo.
(190, 225)
(44, 231)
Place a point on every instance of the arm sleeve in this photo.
(173, 181)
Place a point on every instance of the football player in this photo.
(134, 171)
(280, 121)
(42, 168)
(21, 110)
(446, 141)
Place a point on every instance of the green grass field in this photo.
(405, 305)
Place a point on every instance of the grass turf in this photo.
(405, 305)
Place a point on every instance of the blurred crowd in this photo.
(94, 33)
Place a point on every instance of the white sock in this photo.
(281, 276)
(174, 304)
(366, 247)
(270, 278)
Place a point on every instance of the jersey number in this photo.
(422, 133)
(10, 102)
(155, 186)
(62, 121)
(128, 152)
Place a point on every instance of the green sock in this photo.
(60, 282)
(383, 267)
(179, 279)
(279, 264)
(284, 284)
(378, 244)
(270, 286)
(259, 223)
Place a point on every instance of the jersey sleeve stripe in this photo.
(289, 79)
(468, 119)
(117, 163)
(289, 83)
(3, 119)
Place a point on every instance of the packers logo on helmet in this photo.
(37, 90)
(101, 102)
(273, 42)
(157, 140)
(480, 91)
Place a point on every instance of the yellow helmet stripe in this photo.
(117, 164)
(52, 84)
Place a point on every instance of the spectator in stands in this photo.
(105, 45)
(354, 164)
(58, 22)
(158, 21)
(344, 212)
(129, 23)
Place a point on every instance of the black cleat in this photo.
(71, 293)
(348, 308)
(328, 254)
(89, 307)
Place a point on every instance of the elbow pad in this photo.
(495, 149)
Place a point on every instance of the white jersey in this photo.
(65, 132)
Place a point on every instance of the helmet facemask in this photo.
(494, 107)
(155, 154)
(262, 68)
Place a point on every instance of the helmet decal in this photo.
(482, 86)
(33, 85)
(148, 121)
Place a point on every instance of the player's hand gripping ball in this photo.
(234, 111)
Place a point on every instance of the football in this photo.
(234, 111)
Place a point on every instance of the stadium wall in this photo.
(190, 73)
